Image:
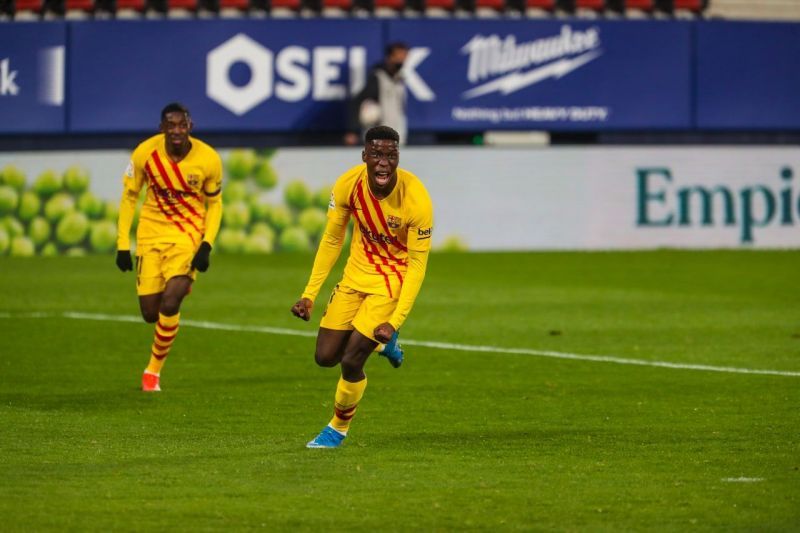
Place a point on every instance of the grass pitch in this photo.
(453, 440)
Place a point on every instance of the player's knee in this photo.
(352, 366)
(151, 317)
(325, 358)
(170, 306)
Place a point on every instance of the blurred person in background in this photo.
(382, 101)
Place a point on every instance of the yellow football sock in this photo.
(166, 330)
(345, 403)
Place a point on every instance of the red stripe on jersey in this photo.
(367, 244)
(383, 259)
(372, 225)
(177, 170)
(155, 187)
(376, 265)
(376, 204)
(169, 185)
(383, 244)
(159, 357)
(397, 272)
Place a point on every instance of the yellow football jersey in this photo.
(391, 238)
(175, 205)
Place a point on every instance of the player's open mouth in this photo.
(382, 178)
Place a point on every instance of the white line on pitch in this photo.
(410, 342)
(742, 479)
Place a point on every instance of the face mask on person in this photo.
(394, 66)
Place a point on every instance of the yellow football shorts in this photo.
(158, 263)
(348, 309)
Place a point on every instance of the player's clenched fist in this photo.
(302, 309)
(383, 332)
(200, 261)
(124, 261)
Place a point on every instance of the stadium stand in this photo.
(181, 8)
(690, 6)
(632, 8)
(78, 9)
(233, 8)
(589, 7)
(30, 10)
(754, 9)
(334, 8)
(83, 9)
(285, 8)
(539, 8)
(392, 8)
(439, 8)
(490, 8)
(337, 8)
(130, 8)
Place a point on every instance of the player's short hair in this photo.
(391, 47)
(174, 107)
(381, 133)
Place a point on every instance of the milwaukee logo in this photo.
(492, 56)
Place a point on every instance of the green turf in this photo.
(451, 441)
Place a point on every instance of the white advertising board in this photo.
(556, 198)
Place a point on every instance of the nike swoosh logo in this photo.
(515, 81)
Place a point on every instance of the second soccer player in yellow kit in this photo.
(178, 224)
(393, 218)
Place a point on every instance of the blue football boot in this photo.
(327, 438)
(392, 351)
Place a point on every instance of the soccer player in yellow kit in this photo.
(178, 223)
(388, 256)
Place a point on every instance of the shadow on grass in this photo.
(92, 401)
(488, 440)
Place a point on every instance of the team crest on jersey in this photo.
(193, 180)
(393, 221)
